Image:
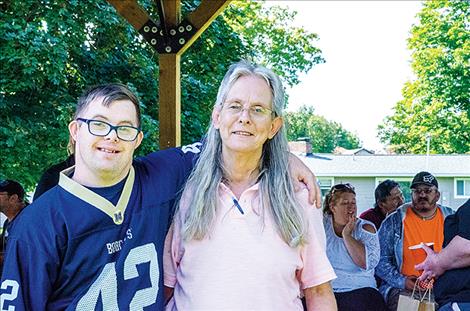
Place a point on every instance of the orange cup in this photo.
(419, 254)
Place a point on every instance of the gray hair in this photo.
(110, 93)
(276, 189)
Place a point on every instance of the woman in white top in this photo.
(354, 251)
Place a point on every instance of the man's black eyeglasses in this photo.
(101, 128)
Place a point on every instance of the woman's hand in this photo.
(349, 228)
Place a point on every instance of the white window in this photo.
(325, 184)
(462, 188)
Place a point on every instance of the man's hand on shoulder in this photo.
(303, 177)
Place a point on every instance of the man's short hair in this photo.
(383, 190)
(110, 93)
(12, 187)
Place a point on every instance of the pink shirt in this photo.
(243, 264)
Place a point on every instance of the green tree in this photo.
(436, 103)
(324, 135)
(52, 50)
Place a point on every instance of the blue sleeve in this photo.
(179, 160)
(387, 268)
(27, 277)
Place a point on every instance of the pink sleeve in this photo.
(316, 266)
(173, 250)
(170, 258)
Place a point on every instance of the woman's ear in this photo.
(275, 127)
(331, 205)
(216, 117)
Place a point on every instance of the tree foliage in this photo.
(324, 135)
(52, 50)
(437, 102)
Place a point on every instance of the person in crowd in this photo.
(12, 203)
(96, 239)
(50, 177)
(413, 223)
(241, 239)
(353, 250)
(451, 266)
(388, 197)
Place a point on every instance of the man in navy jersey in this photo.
(95, 241)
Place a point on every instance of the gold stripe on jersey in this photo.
(115, 212)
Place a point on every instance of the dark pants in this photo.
(362, 299)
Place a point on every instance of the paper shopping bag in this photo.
(427, 306)
(427, 301)
(406, 302)
(417, 300)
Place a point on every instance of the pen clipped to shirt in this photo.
(238, 205)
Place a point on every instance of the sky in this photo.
(364, 44)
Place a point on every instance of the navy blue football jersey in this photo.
(74, 250)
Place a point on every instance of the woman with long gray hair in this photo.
(241, 238)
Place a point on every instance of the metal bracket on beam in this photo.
(178, 36)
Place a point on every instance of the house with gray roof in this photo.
(366, 171)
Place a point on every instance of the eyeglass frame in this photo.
(250, 109)
(111, 128)
(425, 191)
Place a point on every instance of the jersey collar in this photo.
(115, 212)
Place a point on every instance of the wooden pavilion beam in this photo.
(169, 60)
(202, 17)
(131, 11)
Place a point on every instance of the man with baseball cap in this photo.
(12, 203)
(413, 223)
(12, 199)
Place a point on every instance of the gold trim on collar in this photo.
(115, 212)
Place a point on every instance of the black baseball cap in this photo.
(12, 187)
(424, 178)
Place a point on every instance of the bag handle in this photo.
(414, 290)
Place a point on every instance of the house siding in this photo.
(362, 172)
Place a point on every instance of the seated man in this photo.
(419, 221)
(12, 201)
(388, 197)
(451, 266)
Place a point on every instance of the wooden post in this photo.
(170, 100)
(170, 85)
